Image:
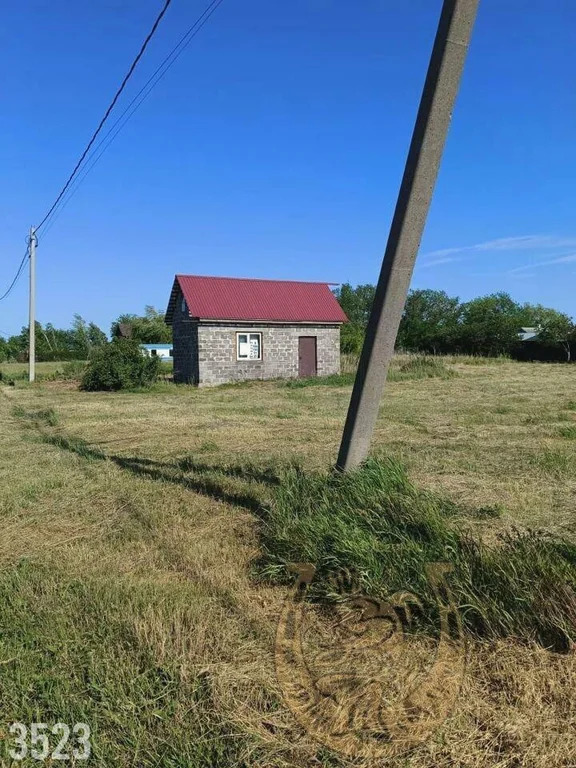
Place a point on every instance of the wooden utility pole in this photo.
(424, 156)
(32, 309)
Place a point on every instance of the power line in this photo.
(136, 102)
(73, 182)
(109, 110)
(17, 276)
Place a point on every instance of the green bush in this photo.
(120, 364)
(351, 338)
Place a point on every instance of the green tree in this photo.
(4, 349)
(351, 338)
(149, 328)
(357, 304)
(16, 348)
(429, 321)
(489, 325)
(555, 328)
(56, 343)
(84, 337)
(79, 337)
(96, 336)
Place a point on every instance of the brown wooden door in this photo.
(306, 356)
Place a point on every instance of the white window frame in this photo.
(246, 358)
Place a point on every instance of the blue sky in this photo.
(275, 146)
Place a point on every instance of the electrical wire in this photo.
(19, 272)
(136, 102)
(108, 111)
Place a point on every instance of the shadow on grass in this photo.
(374, 526)
(175, 472)
(265, 475)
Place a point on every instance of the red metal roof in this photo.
(233, 298)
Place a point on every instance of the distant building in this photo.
(528, 334)
(163, 351)
(124, 331)
(231, 329)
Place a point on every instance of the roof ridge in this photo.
(260, 279)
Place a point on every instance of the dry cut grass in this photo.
(131, 523)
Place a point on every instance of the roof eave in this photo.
(279, 321)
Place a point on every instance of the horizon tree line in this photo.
(432, 323)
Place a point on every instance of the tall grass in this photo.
(348, 363)
(42, 416)
(421, 367)
(402, 369)
(373, 525)
(334, 380)
(479, 359)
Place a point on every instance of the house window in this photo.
(248, 346)
(154, 352)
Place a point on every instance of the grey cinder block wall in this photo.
(217, 351)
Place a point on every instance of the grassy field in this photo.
(132, 530)
(20, 370)
(50, 370)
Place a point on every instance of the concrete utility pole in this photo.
(432, 122)
(32, 315)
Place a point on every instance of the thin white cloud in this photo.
(520, 242)
(445, 252)
(436, 262)
(568, 259)
(526, 242)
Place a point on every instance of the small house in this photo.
(528, 334)
(163, 351)
(232, 329)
